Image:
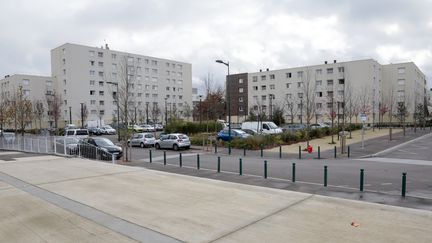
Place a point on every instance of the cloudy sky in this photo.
(252, 35)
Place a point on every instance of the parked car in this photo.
(148, 128)
(79, 133)
(95, 131)
(70, 126)
(107, 129)
(9, 137)
(174, 141)
(158, 127)
(136, 128)
(265, 127)
(293, 127)
(250, 131)
(235, 133)
(142, 140)
(88, 147)
(68, 143)
(317, 125)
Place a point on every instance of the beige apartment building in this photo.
(318, 92)
(90, 75)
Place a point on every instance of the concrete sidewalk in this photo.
(75, 200)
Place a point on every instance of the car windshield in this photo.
(103, 142)
(240, 132)
(149, 136)
(183, 137)
(272, 125)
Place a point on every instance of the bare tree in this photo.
(308, 88)
(39, 111)
(54, 105)
(291, 106)
(155, 112)
(389, 101)
(187, 110)
(3, 109)
(23, 108)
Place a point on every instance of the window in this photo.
(263, 87)
(101, 74)
(255, 87)
(64, 91)
(139, 60)
(64, 71)
(64, 81)
(288, 75)
(340, 92)
(263, 77)
(147, 87)
(146, 61)
(299, 84)
(139, 94)
(154, 87)
(167, 65)
(26, 92)
(154, 95)
(101, 93)
(319, 94)
(272, 76)
(240, 99)
(272, 86)
(401, 81)
(154, 71)
(180, 97)
(92, 82)
(92, 63)
(48, 83)
(401, 70)
(101, 83)
(330, 82)
(330, 94)
(101, 102)
(288, 96)
(114, 56)
(92, 102)
(26, 82)
(114, 75)
(318, 105)
(329, 70)
(154, 62)
(92, 92)
(240, 80)
(329, 105)
(92, 72)
(146, 70)
(91, 53)
(167, 88)
(299, 74)
(318, 71)
(179, 74)
(341, 81)
(240, 90)
(288, 85)
(167, 73)
(264, 97)
(254, 78)
(102, 112)
(154, 79)
(64, 61)
(341, 69)
(240, 108)
(100, 64)
(300, 95)
(318, 83)
(179, 66)
(100, 54)
(299, 106)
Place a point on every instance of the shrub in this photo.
(192, 127)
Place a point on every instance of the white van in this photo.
(266, 127)
(78, 133)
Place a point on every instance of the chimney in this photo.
(260, 70)
(7, 76)
(267, 69)
(325, 62)
(334, 61)
(101, 47)
(106, 46)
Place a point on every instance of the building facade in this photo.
(90, 75)
(332, 90)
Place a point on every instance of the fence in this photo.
(65, 146)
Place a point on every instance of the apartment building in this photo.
(91, 75)
(318, 92)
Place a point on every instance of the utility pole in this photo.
(82, 115)
(70, 115)
(147, 115)
(301, 111)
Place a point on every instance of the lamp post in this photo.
(166, 112)
(228, 97)
(70, 115)
(200, 109)
(118, 108)
(301, 111)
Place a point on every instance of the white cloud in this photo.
(392, 29)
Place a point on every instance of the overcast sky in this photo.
(251, 35)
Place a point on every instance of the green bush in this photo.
(192, 127)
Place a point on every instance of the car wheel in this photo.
(157, 146)
(142, 145)
(175, 147)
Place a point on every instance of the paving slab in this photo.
(24, 218)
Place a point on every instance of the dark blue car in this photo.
(235, 133)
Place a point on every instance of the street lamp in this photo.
(166, 112)
(228, 96)
(200, 109)
(118, 108)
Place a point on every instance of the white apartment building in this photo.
(90, 75)
(361, 85)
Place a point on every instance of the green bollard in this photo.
(280, 151)
(335, 152)
(218, 164)
(229, 148)
(293, 172)
(244, 151)
(325, 175)
(164, 157)
(198, 161)
(150, 154)
(240, 167)
(319, 152)
(361, 179)
(404, 184)
(349, 151)
(265, 169)
(299, 152)
(262, 153)
(180, 160)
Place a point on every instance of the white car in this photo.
(148, 128)
(108, 130)
(173, 141)
(142, 140)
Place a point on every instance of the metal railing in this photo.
(65, 146)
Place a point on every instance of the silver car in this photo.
(142, 140)
(174, 141)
